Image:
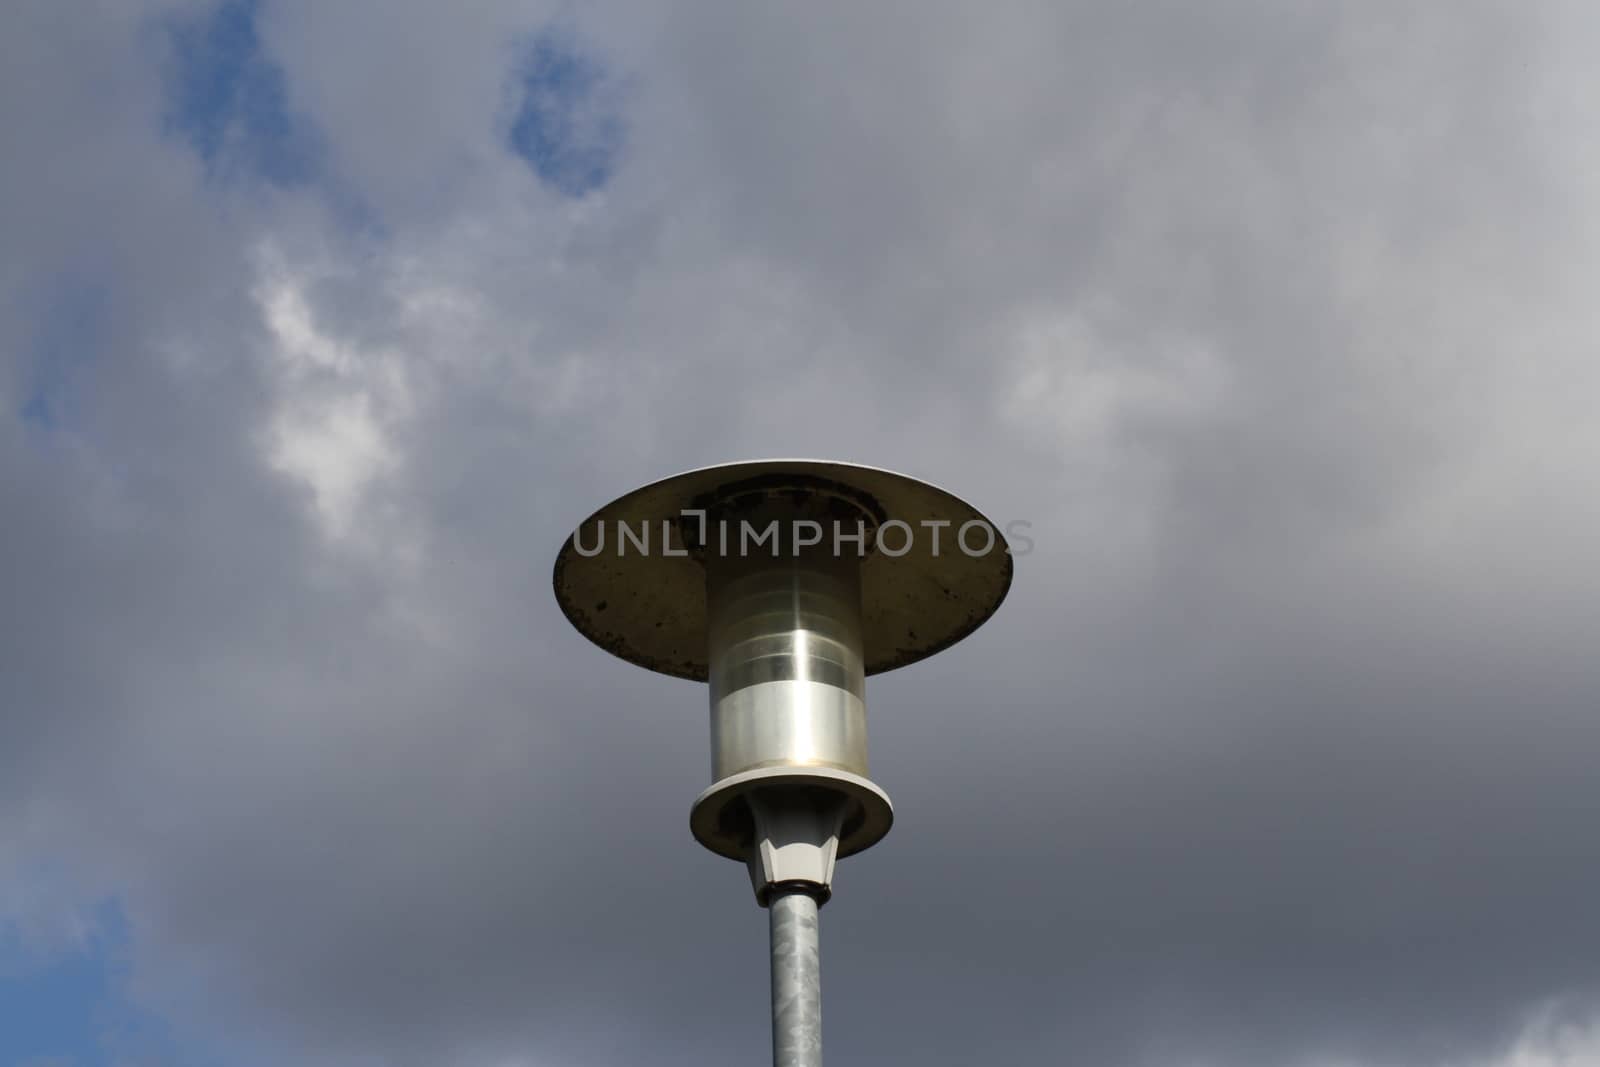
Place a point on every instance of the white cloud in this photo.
(338, 408)
(1560, 1034)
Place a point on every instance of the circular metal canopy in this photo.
(649, 607)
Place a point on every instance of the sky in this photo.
(322, 325)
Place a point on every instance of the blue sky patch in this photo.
(566, 126)
(70, 1007)
(228, 99)
(66, 336)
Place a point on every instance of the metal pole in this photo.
(796, 980)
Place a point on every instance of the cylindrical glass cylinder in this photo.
(786, 669)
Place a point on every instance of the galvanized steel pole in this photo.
(796, 980)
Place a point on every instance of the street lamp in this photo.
(783, 583)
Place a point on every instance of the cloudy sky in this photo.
(321, 324)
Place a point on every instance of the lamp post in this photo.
(783, 584)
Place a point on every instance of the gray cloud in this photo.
(1272, 320)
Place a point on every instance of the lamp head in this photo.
(783, 583)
